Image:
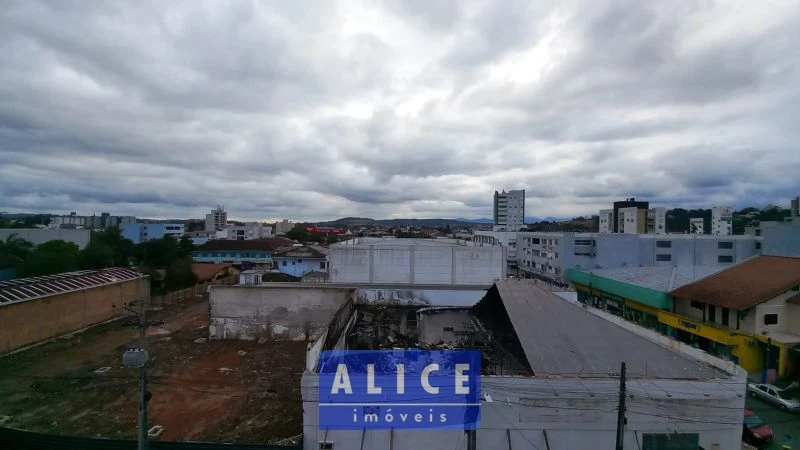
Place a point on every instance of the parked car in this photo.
(774, 395)
(755, 432)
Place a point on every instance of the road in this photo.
(782, 423)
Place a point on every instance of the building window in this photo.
(322, 265)
(770, 319)
(299, 261)
(447, 329)
(725, 316)
(698, 305)
(663, 257)
(725, 245)
(326, 445)
(758, 245)
(712, 313)
(283, 263)
(724, 258)
(664, 244)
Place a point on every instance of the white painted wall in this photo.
(572, 418)
(252, 312)
(417, 264)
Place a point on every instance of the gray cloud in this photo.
(314, 110)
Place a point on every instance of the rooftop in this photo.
(657, 278)
(301, 252)
(745, 284)
(395, 242)
(562, 338)
(22, 289)
(266, 244)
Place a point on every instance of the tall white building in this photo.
(509, 210)
(697, 225)
(217, 219)
(795, 207)
(284, 226)
(722, 220)
(250, 230)
(606, 221)
(657, 220)
(632, 220)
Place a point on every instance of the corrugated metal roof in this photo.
(22, 289)
(745, 284)
(657, 278)
(562, 338)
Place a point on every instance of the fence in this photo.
(14, 439)
(174, 297)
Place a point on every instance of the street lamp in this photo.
(136, 358)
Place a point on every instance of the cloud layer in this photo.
(317, 110)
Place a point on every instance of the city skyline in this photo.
(315, 111)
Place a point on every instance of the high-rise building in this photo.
(722, 220)
(657, 220)
(509, 210)
(795, 207)
(620, 220)
(606, 221)
(217, 219)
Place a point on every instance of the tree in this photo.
(186, 245)
(179, 275)
(121, 248)
(157, 253)
(332, 239)
(15, 246)
(96, 255)
(49, 258)
(298, 233)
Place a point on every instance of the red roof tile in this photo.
(746, 284)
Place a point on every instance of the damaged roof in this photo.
(562, 338)
(745, 284)
(22, 289)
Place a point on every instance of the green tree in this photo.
(179, 275)
(298, 233)
(15, 246)
(49, 258)
(96, 255)
(157, 253)
(186, 245)
(121, 248)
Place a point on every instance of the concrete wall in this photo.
(38, 236)
(417, 264)
(273, 310)
(441, 325)
(523, 407)
(44, 318)
(788, 315)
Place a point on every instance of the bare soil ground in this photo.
(220, 391)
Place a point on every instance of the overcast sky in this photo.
(319, 110)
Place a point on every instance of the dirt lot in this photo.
(221, 391)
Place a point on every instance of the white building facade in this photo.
(509, 210)
(657, 220)
(507, 239)
(247, 231)
(722, 220)
(217, 219)
(550, 255)
(606, 221)
(416, 261)
(697, 225)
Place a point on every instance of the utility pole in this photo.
(137, 358)
(621, 409)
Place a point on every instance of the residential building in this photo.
(507, 239)
(722, 220)
(657, 220)
(697, 225)
(249, 254)
(284, 226)
(795, 208)
(301, 260)
(44, 307)
(416, 261)
(245, 231)
(549, 377)
(140, 232)
(217, 219)
(606, 221)
(629, 219)
(509, 210)
(750, 311)
(548, 255)
(37, 236)
(73, 220)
